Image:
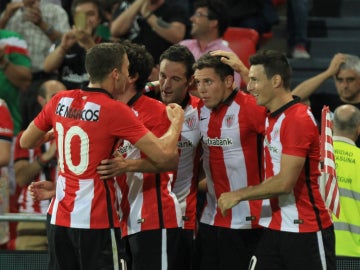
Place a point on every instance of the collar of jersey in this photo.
(94, 89)
(134, 99)
(228, 101)
(185, 102)
(284, 107)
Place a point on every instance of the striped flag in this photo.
(328, 182)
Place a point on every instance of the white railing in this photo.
(23, 217)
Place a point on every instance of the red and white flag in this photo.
(328, 182)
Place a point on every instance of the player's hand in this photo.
(110, 168)
(226, 201)
(230, 59)
(175, 113)
(42, 190)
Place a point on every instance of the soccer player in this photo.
(299, 233)
(231, 125)
(149, 210)
(175, 79)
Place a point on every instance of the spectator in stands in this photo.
(297, 19)
(110, 8)
(297, 222)
(209, 23)
(68, 58)
(8, 10)
(15, 74)
(6, 136)
(32, 166)
(40, 24)
(157, 24)
(346, 130)
(345, 69)
(260, 15)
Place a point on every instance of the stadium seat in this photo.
(278, 2)
(243, 41)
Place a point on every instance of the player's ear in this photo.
(115, 73)
(276, 80)
(133, 78)
(229, 80)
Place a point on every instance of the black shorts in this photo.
(220, 248)
(286, 250)
(188, 238)
(157, 249)
(83, 249)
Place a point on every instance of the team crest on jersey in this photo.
(125, 148)
(190, 122)
(229, 120)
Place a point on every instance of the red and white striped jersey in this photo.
(87, 124)
(26, 203)
(232, 157)
(186, 176)
(292, 130)
(6, 123)
(146, 200)
(6, 127)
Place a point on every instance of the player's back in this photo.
(87, 124)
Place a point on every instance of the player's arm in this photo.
(25, 171)
(282, 183)
(33, 136)
(119, 165)
(162, 153)
(5, 151)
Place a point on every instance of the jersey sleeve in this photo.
(43, 120)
